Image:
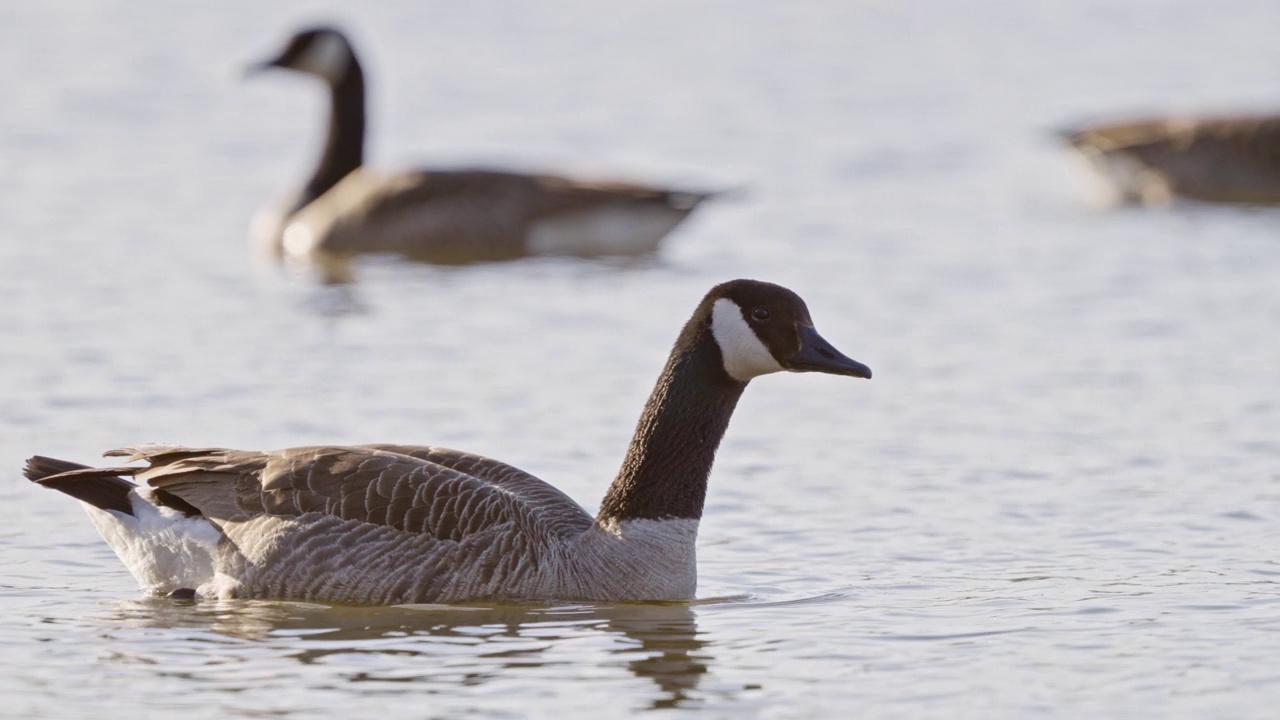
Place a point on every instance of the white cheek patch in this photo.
(744, 355)
(327, 56)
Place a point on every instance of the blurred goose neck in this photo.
(664, 475)
(344, 144)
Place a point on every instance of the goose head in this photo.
(322, 52)
(763, 328)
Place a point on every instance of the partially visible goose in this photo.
(442, 216)
(1218, 159)
(391, 524)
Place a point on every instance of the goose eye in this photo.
(760, 313)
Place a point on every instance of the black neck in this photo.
(665, 472)
(344, 145)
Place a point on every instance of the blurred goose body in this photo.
(392, 524)
(1218, 159)
(442, 216)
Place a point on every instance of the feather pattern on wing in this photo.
(377, 524)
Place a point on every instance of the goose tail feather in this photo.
(101, 488)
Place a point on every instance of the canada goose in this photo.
(1220, 159)
(393, 524)
(442, 216)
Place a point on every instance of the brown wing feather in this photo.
(424, 490)
(461, 215)
(555, 508)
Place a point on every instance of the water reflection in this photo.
(426, 644)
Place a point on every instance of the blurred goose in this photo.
(1222, 159)
(442, 216)
(392, 524)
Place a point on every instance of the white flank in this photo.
(164, 549)
(328, 56)
(745, 356)
(617, 230)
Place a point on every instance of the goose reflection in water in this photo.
(419, 645)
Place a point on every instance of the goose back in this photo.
(1221, 159)
(339, 522)
(464, 216)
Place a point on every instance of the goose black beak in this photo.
(817, 355)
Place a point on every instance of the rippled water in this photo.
(1058, 497)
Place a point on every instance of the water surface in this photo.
(1057, 498)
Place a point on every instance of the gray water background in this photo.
(1058, 497)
